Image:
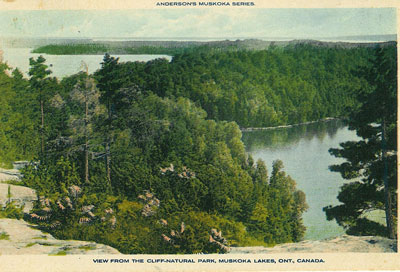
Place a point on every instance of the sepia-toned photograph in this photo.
(197, 135)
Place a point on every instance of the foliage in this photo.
(257, 88)
(162, 143)
(51, 178)
(4, 236)
(271, 87)
(371, 162)
(99, 49)
(17, 135)
(11, 210)
(214, 178)
(67, 49)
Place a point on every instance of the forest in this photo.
(148, 157)
(101, 49)
(254, 88)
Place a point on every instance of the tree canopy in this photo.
(148, 158)
(148, 174)
(371, 163)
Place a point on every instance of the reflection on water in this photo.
(304, 152)
(285, 137)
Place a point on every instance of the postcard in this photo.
(198, 135)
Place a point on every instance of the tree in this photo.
(372, 160)
(86, 94)
(38, 73)
(108, 84)
(6, 96)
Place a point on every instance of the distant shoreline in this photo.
(94, 47)
(327, 119)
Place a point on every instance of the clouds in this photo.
(203, 23)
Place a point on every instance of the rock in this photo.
(20, 237)
(9, 174)
(344, 243)
(20, 164)
(19, 194)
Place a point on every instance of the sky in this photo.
(199, 23)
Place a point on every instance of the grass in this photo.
(59, 253)
(4, 236)
(39, 243)
(87, 247)
(38, 228)
(62, 252)
(13, 182)
(30, 244)
(11, 211)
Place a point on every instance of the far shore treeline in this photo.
(255, 88)
(147, 157)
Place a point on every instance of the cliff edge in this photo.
(341, 244)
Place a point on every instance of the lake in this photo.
(65, 65)
(304, 152)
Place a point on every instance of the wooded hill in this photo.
(148, 157)
(87, 46)
(264, 88)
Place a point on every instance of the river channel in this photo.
(304, 152)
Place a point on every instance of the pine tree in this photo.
(39, 73)
(108, 84)
(372, 160)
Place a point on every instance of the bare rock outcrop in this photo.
(9, 174)
(20, 195)
(20, 237)
(344, 243)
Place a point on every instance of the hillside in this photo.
(148, 157)
(20, 237)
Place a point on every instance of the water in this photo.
(304, 152)
(65, 65)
